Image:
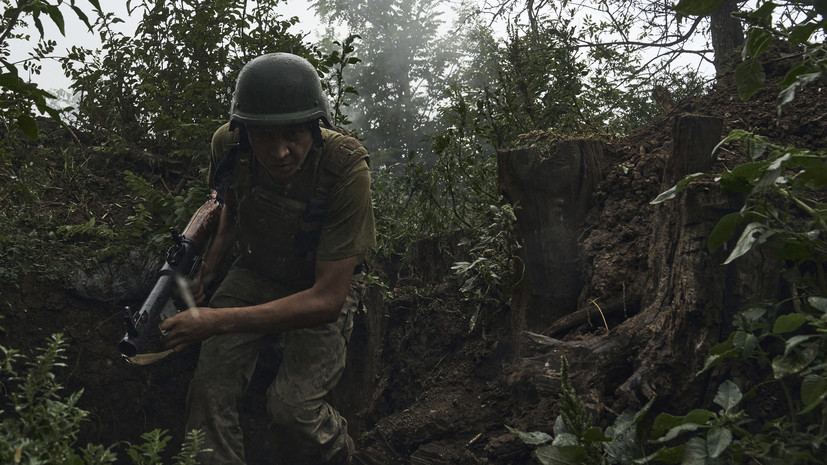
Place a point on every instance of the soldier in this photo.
(298, 212)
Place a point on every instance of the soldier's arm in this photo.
(317, 305)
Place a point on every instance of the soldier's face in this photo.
(281, 149)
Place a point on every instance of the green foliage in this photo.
(52, 229)
(710, 434)
(17, 96)
(29, 242)
(487, 280)
(453, 197)
(576, 440)
(783, 206)
(400, 75)
(170, 85)
(159, 211)
(730, 435)
(87, 229)
(42, 426)
(802, 25)
(784, 213)
(193, 445)
(333, 66)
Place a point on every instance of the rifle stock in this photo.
(183, 258)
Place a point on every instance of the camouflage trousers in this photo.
(313, 360)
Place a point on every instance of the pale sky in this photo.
(52, 77)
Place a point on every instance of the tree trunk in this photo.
(686, 307)
(727, 39)
(551, 188)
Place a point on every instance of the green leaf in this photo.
(764, 13)
(57, 18)
(758, 41)
(818, 302)
(754, 234)
(795, 341)
(28, 125)
(717, 441)
(552, 455)
(749, 77)
(722, 347)
(12, 82)
(735, 134)
(772, 173)
(757, 146)
(714, 360)
(787, 323)
(745, 342)
(724, 230)
(788, 94)
(795, 71)
(595, 434)
(728, 395)
(754, 315)
(801, 33)
(82, 17)
(677, 188)
(566, 440)
(813, 391)
(793, 362)
(666, 422)
(741, 179)
(695, 452)
(814, 177)
(698, 7)
(664, 455)
(533, 438)
(37, 23)
(678, 430)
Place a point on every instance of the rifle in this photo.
(183, 259)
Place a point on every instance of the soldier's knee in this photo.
(282, 414)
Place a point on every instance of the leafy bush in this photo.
(43, 425)
(487, 280)
(17, 96)
(159, 211)
(577, 440)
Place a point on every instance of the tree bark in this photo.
(727, 39)
(686, 307)
(551, 188)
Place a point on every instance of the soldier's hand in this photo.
(192, 325)
(199, 285)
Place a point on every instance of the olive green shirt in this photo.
(269, 214)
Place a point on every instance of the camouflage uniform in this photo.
(313, 359)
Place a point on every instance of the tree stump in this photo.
(686, 306)
(551, 188)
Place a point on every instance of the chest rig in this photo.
(280, 225)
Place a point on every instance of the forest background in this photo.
(433, 102)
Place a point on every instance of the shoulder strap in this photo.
(224, 171)
(340, 154)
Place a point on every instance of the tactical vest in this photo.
(279, 226)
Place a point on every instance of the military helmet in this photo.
(278, 88)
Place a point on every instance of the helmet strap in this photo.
(316, 132)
